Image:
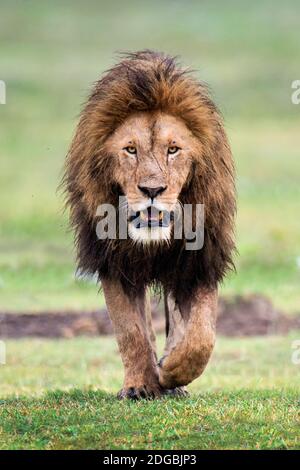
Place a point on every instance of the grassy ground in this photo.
(61, 394)
(95, 420)
(50, 54)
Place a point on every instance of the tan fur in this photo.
(130, 324)
(152, 134)
(148, 101)
(189, 353)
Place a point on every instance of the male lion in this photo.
(150, 133)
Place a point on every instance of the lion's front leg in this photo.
(129, 318)
(191, 340)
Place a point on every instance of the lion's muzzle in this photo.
(151, 217)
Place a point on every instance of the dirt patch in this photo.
(253, 315)
(65, 324)
(239, 316)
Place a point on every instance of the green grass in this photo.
(36, 365)
(61, 394)
(51, 52)
(95, 420)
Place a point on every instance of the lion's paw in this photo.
(177, 392)
(137, 393)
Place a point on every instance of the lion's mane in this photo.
(147, 81)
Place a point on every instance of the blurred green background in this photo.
(51, 53)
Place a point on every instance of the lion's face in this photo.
(153, 152)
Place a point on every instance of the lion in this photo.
(150, 133)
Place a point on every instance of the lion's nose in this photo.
(152, 192)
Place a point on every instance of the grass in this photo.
(36, 365)
(61, 394)
(51, 52)
(95, 420)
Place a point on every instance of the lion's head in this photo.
(151, 133)
(153, 154)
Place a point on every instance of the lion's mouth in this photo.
(151, 217)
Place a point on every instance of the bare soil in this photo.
(239, 316)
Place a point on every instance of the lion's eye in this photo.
(172, 150)
(131, 150)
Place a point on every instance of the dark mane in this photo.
(147, 81)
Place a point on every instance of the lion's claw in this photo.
(176, 392)
(145, 393)
(138, 393)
